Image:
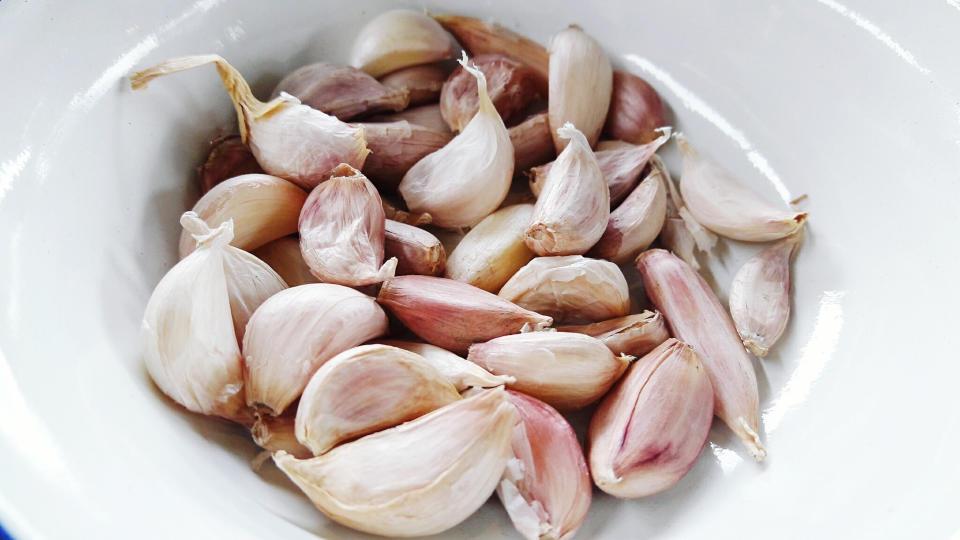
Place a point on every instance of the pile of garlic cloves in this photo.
(405, 270)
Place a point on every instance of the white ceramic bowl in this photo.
(857, 105)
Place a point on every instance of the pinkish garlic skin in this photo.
(532, 142)
(511, 86)
(635, 224)
(423, 83)
(229, 156)
(417, 251)
(395, 147)
(636, 110)
(634, 335)
(342, 91)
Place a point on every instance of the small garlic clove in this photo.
(648, 431)
(633, 335)
(341, 91)
(228, 157)
(481, 37)
(676, 238)
(760, 296)
(276, 433)
(342, 231)
(416, 250)
(493, 250)
(427, 116)
(295, 331)
(286, 259)
(398, 39)
(390, 211)
(262, 207)
(532, 142)
(574, 206)
(511, 86)
(466, 180)
(397, 146)
(419, 478)
(725, 206)
(564, 369)
(546, 486)
(702, 239)
(366, 389)
(454, 315)
(581, 81)
(636, 110)
(570, 288)
(635, 224)
(695, 316)
(422, 83)
(460, 372)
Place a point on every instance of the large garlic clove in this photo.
(460, 372)
(419, 478)
(564, 369)
(510, 85)
(341, 91)
(400, 38)
(532, 142)
(636, 110)
(365, 389)
(276, 433)
(342, 231)
(481, 37)
(295, 331)
(286, 259)
(454, 315)
(416, 250)
(289, 139)
(467, 179)
(695, 316)
(648, 431)
(397, 146)
(725, 206)
(390, 211)
(493, 250)
(427, 116)
(422, 83)
(760, 296)
(635, 224)
(581, 81)
(229, 156)
(570, 289)
(633, 335)
(262, 207)
(546, 487)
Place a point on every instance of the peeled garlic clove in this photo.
(276, 434)
(461, 373)
(493, 250)
(342, 231)
(481, 37)
(546, 487)
(392, 212)
(365, 389)
(566, 370)
(467, 179)
(322, 141)
(454, 315)
(636, 111)
(427, 116)
(295, 331)
(419, 478)
(422, 83)
(581, 81)
(397, 146)
(532, 142)
(341, 91)
(648, 431)
(725, 206)
(635, 224)
(633, 335)
(284, 256)
(228, 157)
(571, 288)
(416, 250)
(695, 316)
(510, 85)
(574, 206)
(400, 38)
(760, 296)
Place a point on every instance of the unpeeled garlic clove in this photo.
(295, 331)
(682, 232)
(342, 230)
(570, 288)
(695, 316)
(454, 315)
(636, 110)
(277, 433)
(397, 146)
(510, 85)
(416, 250)
(481, 37)
(635, 224)
(322, 141)
(427, 116)
(574, 206)
(633, 335)
(460, 372)
(228, 157)
(676, 238)
(286, 259)
(366, 389)
(390, 211)
(341, 91)
(419, 478)
(422, 83)
(400, 38)
(493, 250)
(648, 431)
(532, 142)
(760, 296)
(581, 81)
(725, 206)
(546, 486)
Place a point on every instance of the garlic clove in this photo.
(466, 180)
(461, 373)
(648, 431)
(366, 389)
(400, 38)
(581, 81)
(276, 433)
(419, 478)
(564, 369)
(493, 250)
(510, 85)
(545, 487)
(532, 142)
(390, 211)
(397, 146)
(725, 206)
(427, 116)
(228, 157)
(295, 331)
(760, 296)
(695, 316)
(633, 335)
(422, 83)
(262, 207)
(570, 288)
(635, 224)
(481, 37)
(286, 259)
(341, 91)
(289, 139)
(636, 110)
(675, 237)
(250, 282)
(574, 206)
(342, 231)
(416, 250)
(454, 315)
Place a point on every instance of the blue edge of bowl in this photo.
(4, 535)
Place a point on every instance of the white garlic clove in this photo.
(276, 433)
(427, 116)
(633, 335)
(229, 157)
(250, 282)
(702, 239)
(635, 224)
(341, 91)
(286, 259)
(460, 372)
(493, 250)
(512, 87)
(400, 38)
(636, 110)
(422, 83)
(532, 142)
(397, 146)
(481, 37)
(581, 82)
(416, 250)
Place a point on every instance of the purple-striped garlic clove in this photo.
(636, 110)
(286, 259)
(511, 87)
(462, 373)
(229, 156)
(633, 335)
(636, 223)
(397, 146)
(342, 91)
(398, 39)
(416, 250)
(492, 251)
(422, 83)
(575, 58)
(532, 142)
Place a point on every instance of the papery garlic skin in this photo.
(636, 223)
(365, 389)
(400, 38)
(633, 335)
(341, 91)
(581, 82)
(391, 211)
(570, 288)
(482, 37)
(510, 85)
(229, 157)
(493, 250)
(636, 110)
(460, 372)
(427, 116)
(284, 256)
(416, 250)
(422, 83)
(419, 478)
(693, 234)
(277, 433)
(532, 142)
(395, 147)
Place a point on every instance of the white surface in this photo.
(856, 104)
